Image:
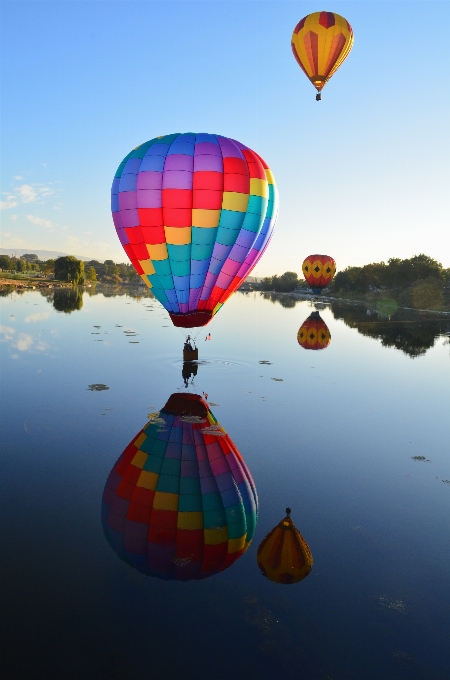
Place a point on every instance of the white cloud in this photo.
(13, 217)
(40, 221)
(23, 342)
(27, 193)
(39, 316)
(8, 204)
(7, 333)
(18, 177)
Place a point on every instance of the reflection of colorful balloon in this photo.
(284, 556)
(314, 333)
(194, 213)
(318, 271)
(180, 502)
(321, 42)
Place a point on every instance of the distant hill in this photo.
(42, 254)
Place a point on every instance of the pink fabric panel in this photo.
(214, 451)
(230, 267)
(130, 218)
(184, 307)
(223, 280)
(179, 161)
(229, 148)
(127, 200)
(117, 219)
(149, 180)
(177, 179)
(208, 162)
(149, 198)
(194, 297)
(207, 148)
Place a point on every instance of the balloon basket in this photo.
(189, 355)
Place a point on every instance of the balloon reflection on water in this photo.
(314, 333)
(180, 502)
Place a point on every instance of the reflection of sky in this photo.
(333, 440)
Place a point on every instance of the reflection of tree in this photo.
(68, 300)
(408, 330)
(283, 300)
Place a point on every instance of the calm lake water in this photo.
(334, 434)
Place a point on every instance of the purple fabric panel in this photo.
(238, 253)
(114, 480)
(194, 297)
(229, 148)
(239, 145)
(214, 450)
(224, 280)
(177, 179)
(208, 484)
(149, 198)
(202, 137)
(219, 466)
(186, 572)
(189, 468)
(128, 183)
(210, 280)
(117, 219)
(200, 448)
(123, 237)
(220, 252)
(206, 292)
(208, 162)
(224, 481)
(173, 450)
(245, 239)
(149, 180)
(127, 200)
(179, 162)
(134, 543)
(108, 495)
(161, 557)
(207, 148)
(188, 450)
(115, 185)
(204, 468)
(132, 166)
(230, 267)
(184, 307)
(188, 435)
(130, 218)
(119, 506)
(116, 521)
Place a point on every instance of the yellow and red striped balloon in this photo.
(321, 42)
(318, 271)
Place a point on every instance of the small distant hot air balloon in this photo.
(194, 213)
(321, 42)
(180, 503)
(318, 271)
(314, 333)
(284, 556)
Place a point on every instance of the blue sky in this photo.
(363, 175)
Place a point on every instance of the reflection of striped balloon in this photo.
(180, 502)
(284, 556)
(314, 333)
(321, 42)
(318, 271)
(194, 213)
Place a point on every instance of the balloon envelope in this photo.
(320, 43)
(314, 333)
(318, 271)
(194, 213)
(180, 502)
(284, 556)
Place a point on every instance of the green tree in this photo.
(5, 262)
(21, 266)
(68, 268)
(30, 257)
(91, 274)
(48, 266)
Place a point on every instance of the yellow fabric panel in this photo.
(147, 266)
(190, 520)
(258, 187)
(139, 459)
(178, 236)
(236, 544)
(216, 536)
(165, 501)
(317, 263)
(269, 175)
(144, 277)
(205, 218)
(234, 201)
(140, 440)
(217, 307)
(157, 251)
(147, 480)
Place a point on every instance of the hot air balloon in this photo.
(314, 333)
(180, 503)
(321, 42)
(194, 213)
(284, 556)
(318, 271)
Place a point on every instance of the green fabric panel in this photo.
(227, 237)
(159, 448)
(201, 235)
(231, 219)
(190, 485)
(149, 443)
(179, 253)
(167, 139)
(122, 165)
(142, 150)
(253, 222)
(213, 519)
(251, 519)
(167, 282)
(153, 464)
(168, 484)
(257, 205)
(212, 501)
(162, 268)
(202, 252)
(271, 192)
(181, 268)
(237, 529)
(171, 466)
(190, 502)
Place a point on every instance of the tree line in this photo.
(69, 268)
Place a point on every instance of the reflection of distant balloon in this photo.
(284, 556)
(320, 43)
(318, 271)
(180, 502)
(314, 333)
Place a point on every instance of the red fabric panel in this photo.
(161, 535)
(336, 49)
(174, 217)
(214, 556)
(140, 252)
(235, 166)
(163, 519)
(176, 198)
(199, 317)
(125, 490)
(300, 25)
(327, 19)
(232, 557)
(190, 543)
(153, 234)
(139, 513)
(143, 497)
(311, 41)
(150, 217)
(207, 200)
(297, 59)
(254, 164)
(238, 183)
(137, 266)
(134, 235)
(205, 179)
(131, 474)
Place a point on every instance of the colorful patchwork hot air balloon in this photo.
(180, 502)
(194, 213)
(321, 42)
(284, 556)
(314, 333)
(318, 271)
